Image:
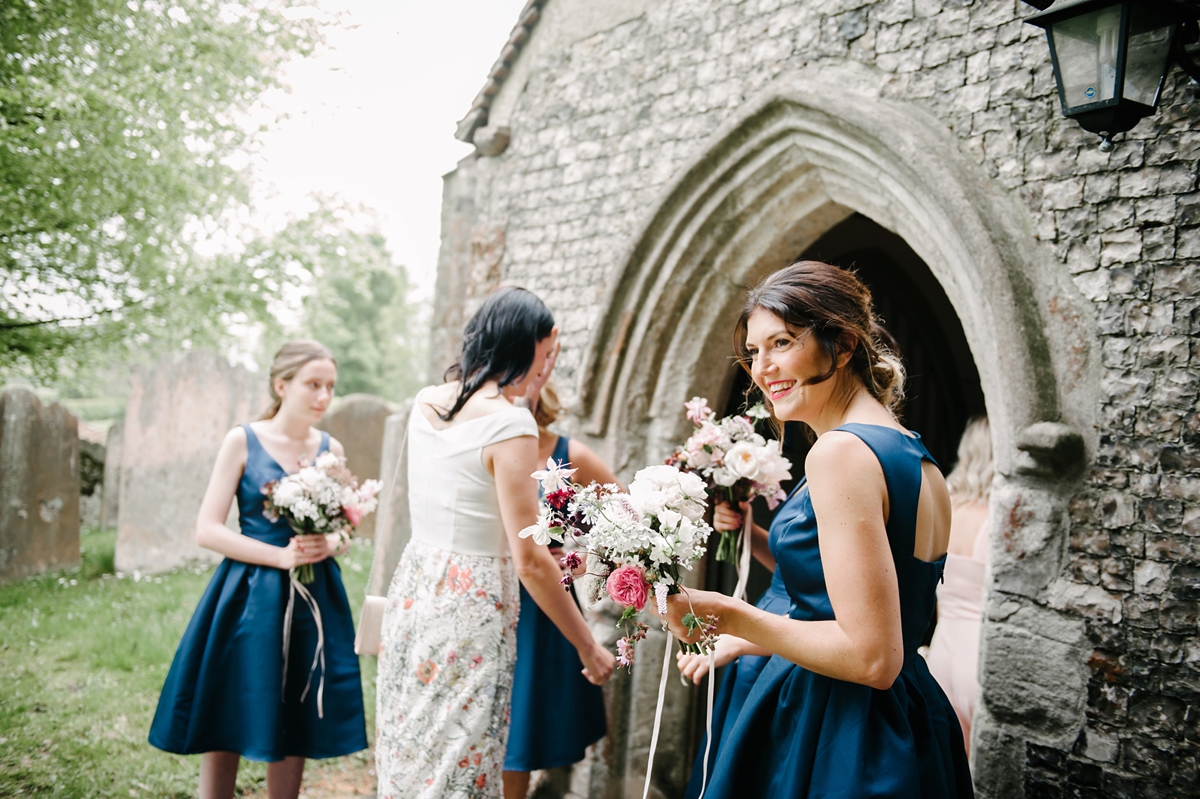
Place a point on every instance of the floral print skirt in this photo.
(449, 644)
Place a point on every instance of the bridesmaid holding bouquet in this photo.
(259, 674)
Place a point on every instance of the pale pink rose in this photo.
(627, 586)
(353, 514)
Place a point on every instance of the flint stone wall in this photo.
(1090, 666)
(177, 414)
(357, 421)
(39, 486)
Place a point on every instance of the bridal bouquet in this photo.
(319, 499)
(733, 459)
(637, 543)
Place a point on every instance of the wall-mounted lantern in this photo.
(1111, 59)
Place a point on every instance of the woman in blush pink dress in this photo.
(954, 652)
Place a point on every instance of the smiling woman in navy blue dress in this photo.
(226, 695)
(844, 707)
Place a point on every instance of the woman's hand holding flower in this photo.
(701, 604)
(694, 667)
(726, 518)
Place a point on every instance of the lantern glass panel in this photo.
(1086, 47)
(1146, 64)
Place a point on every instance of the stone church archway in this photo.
(792, 165)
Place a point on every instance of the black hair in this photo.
(499, 342)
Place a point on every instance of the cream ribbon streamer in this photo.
(662, 695)
(297, 587)
(743, 568)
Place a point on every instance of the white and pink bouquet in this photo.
(733, 460)
(320, 499)
(638, 543)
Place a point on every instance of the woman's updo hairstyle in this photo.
(499, 342)
(835, 305)
(290, 359)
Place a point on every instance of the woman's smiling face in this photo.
(780, 361)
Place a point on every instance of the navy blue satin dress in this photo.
(802, 734)
(736, 683)
(556, 713)
(226, 691)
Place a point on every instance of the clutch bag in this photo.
(370, 621)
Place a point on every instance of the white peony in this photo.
(743, 460)
(773, 467)
(724, 477)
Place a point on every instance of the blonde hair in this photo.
(971, 479)
(549, 407)
(290, 359)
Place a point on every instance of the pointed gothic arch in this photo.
(791, 165)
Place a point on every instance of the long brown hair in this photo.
(835, 305)
(288, 361)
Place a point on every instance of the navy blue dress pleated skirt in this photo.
(556, 713)
(227, 691)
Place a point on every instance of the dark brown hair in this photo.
(835, 305)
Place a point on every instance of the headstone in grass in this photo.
(393, 525)
(357, 420)
(178, 412)
(39, 486)
(112, 475)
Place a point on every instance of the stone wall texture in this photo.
(177, 414)
(1090, 667)
(357, 421)
(39, 486)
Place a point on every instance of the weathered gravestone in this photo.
(393, 524)
(178, 412)
(357, 421)
(112, 475)
(39, 486)
(92, 456)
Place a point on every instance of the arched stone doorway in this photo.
(797, 162)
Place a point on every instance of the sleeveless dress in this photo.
(556, 712)
(449, 625)
(954, 651)
(226, 691)
(736, 683)
(802, 734)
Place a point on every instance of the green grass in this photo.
(83, 656)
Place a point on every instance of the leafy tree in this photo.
(357, 300)
(117, 122)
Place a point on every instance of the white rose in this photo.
(691, 485)
(724, 477)
(743, 460)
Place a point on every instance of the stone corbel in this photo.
(1050, 449)
(491, 140)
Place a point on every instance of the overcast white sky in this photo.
(371, 119)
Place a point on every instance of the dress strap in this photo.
(900, 456)
(562, 451)
(324, 442)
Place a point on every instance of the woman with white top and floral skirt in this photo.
(449, 626)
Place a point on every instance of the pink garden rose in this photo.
(353, 514)
(627, 586)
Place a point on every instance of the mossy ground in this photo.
(83, 656)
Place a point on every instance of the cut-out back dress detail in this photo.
(803, 734)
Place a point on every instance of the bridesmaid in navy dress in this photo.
(844, 706)
(556, 713)
(227, 695)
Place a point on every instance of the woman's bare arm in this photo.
(512, 462)
(211, 532)
(864, 643)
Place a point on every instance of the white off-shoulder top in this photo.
(452, 497)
